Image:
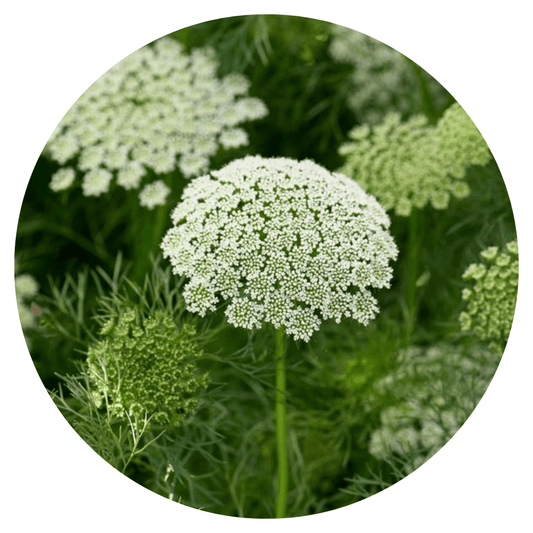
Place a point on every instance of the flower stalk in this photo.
(281, 425)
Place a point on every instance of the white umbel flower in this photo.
(154, 194)
(160, 108)
(233, 138)
(62, 179)
(26, 288)
(96, 182)
(285, 242)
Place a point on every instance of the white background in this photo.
(52, 51)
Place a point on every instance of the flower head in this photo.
(26, 288)
(491, 295)
(284, 242)
(62, 179)
(409, 164)
(148, 368)
(153, 194)
(159, 109)
(382, 78)
(431, 392)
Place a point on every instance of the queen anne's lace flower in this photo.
(285, 242)
(96, 182)
(158, 109)
(153, 194)
(382, 78)
(62, 179)
(491, 297)
(432, 392)
(409, 164)
(146, 369)
(26, 288)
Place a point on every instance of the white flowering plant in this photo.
(419, 405)
(214, 305)
(286, 243)
(408, 165)
(412, 165)
(157, 111)
(382, 79)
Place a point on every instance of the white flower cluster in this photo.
(26, 288)
(158, 109)
(382, 78)
(409, 164)
(435, 390)
(154, 194)
(285, 242)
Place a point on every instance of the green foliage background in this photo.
(95, 256)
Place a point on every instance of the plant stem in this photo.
(148, 238)
(281, 425)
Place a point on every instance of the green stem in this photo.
(281, 425)
(149, 235)
(426, 98)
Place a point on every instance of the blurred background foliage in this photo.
(92, 255)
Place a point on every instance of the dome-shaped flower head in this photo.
(283, 242)
(147, 368)
(409, 164)
(159, 109)
(491, 297)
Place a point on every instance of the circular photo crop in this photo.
(266, 266)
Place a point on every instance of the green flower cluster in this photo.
(26, 288)
(382, 78)
(159, 109)
(431, 394)
(491, 297)
(146, 370)
(409, 164)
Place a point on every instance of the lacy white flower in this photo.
(233, 138)
(409, 164)
(158, 109)
(431, 393)
(96, 182)
(62, 179)
(284, 242)
(26, 288)
(383, 79)
(491, 297)
(154, 194)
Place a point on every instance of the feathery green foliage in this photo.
(118, 440)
